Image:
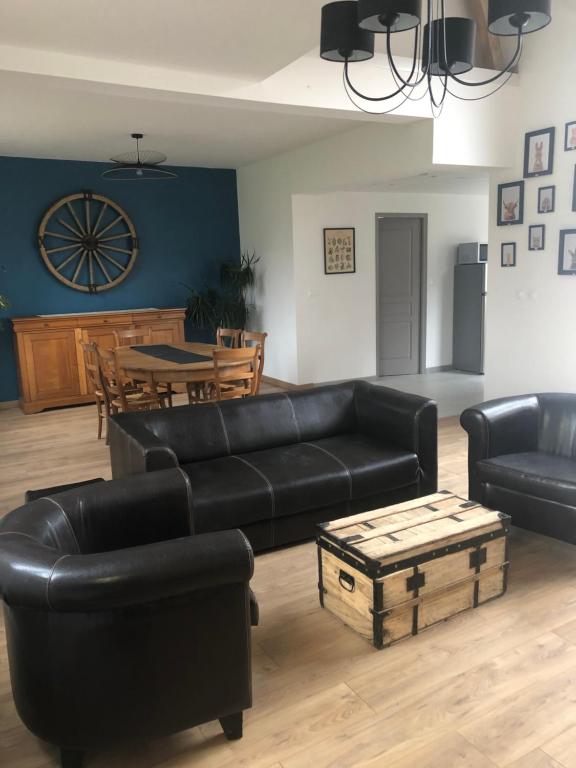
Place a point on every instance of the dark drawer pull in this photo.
(347, 582)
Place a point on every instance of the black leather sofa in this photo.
(120, 624)
(276, 465)
(522, 460)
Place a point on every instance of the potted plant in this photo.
(230, 307)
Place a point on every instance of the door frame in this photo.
(423, 217)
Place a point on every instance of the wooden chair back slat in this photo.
(257, 339)
(228, 337)
(235, 372)
(130, 337)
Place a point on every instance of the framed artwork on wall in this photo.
(508, 255)
(570, 137)
(546, 199)
(539, 153)
(510, 203)
(567, 252)
(537, 237)
(339, 251)
(574, 191)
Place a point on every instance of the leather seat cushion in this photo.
(252, 487)
(544, 475)
(374, 466)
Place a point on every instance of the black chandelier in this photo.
(442, 52)
(139, 165)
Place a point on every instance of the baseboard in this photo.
(284, 384)
(440, 369)
(5, 404)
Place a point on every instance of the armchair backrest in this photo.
(557, 424)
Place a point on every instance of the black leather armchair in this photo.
(522, 460)
(276, 465)
(119, 622)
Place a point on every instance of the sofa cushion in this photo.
(324, 411)
(544, 475)
(258, 423)
(373, 466)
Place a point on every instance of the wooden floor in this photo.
(492, 687)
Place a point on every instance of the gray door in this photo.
(399, 271)
(469, 301)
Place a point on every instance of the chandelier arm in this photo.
(505, 71)
(392, 63)
(484, 96)
(372, 112)
(369, 98)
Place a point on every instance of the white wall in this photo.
(531, 309)
(336, 315)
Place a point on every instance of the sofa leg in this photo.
(232, 726)
(71, 758)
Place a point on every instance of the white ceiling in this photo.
(243, 38)
(440, 181)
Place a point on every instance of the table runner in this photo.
(171, 354)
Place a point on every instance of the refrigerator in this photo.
(469, 313)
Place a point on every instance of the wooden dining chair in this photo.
(91, 365)
(135, 337)
(235, 372)
(121, 393)
(256, 339)
(228, 337)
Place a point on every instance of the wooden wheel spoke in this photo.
(62, 248)
(114, 237)
(68, 259)
(79, 266)
(102, 267)
(91, 268)
(109, 226)
(116, 249)
(111, 259)
(71, 228)
(75, 217)
(60, 237)
(99, 219)
(87, 214)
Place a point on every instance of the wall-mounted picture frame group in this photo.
(508, 255)
(339, 251)
(536, 237)
(567, 252)
(570, 137)
(511, 203)
(547, 199)
(539, 153)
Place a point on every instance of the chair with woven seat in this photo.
(257, 339)
(228, 337)
(90, 352)
(235, 372)
(121, 392)
(136, 337)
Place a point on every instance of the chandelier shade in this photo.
(341, 38)
(453, 55)
(393, 15)
(508, 17)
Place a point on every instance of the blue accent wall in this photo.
(186, 228)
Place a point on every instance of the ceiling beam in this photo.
(490, 44)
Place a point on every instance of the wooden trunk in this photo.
(51, 369)
(393, 572)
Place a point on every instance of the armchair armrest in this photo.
(134, 449)
(406, 420)
(498, 427)
(139, 575)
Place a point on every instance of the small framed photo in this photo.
(508, 255)
(339, 251)
(546, 199)
(510, 203)
(567, 253)
(574, 191)
(570, 137)
(537, 237)
(539, 153)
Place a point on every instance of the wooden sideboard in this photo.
(51, 369)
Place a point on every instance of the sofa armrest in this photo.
(405, 420)
(498, 427)
(140, 575)
(134, 449)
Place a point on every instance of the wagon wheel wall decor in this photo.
(88, 242)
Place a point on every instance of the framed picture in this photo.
(570, 137)
(546, 199)
(537, 237)
(567, 253)
(574, 191)
(539, 153)
(339, 251)
(508, 255)
(511, 203)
